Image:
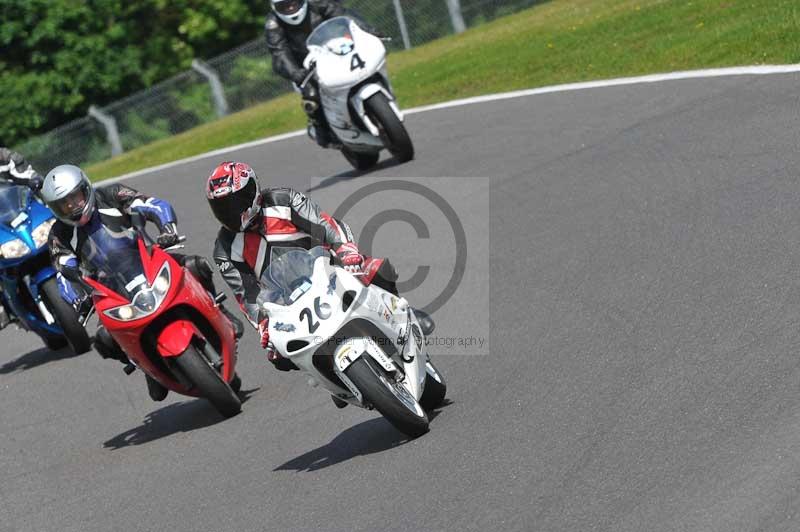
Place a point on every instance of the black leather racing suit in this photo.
(287, 45)
(288, 219)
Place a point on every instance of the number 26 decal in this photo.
(323, 312)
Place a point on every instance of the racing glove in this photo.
(263, 332)
(169, 236)
(350, 256)
(23, 176)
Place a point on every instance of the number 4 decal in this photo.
(357, 62)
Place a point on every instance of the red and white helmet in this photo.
(234, 195)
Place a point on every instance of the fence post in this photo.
(454, 6)
(112, 133)
(210, 74)
(401, 21)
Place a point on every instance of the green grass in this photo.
(556, 42)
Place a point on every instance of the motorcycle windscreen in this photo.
(333, 35)
(13, 200)
(112, 257)
(289, 274)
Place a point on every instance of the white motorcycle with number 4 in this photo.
(356, 94)
(361, 343)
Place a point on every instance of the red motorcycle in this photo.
(167, 324)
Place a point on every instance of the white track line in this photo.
(653, 78)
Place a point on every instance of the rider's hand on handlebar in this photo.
(350, 256)
(169, 236)
(35, 182)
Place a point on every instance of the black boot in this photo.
(107, 347)
(320, 135)
(338, 402)
(238, 326)
(425, 321)
(156, 390)
(5, 318)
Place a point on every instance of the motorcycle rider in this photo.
(82, 210)
(288, 25)
(256, 223)
(15, 169)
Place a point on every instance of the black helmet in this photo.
(234, 195)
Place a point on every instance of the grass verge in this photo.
(560, 41)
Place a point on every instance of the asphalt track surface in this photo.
(641, 371)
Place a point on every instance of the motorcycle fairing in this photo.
(387, 312)
(185, 297)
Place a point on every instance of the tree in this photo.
(59, 56)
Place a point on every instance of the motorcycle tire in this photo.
(54, 342)
(361, 160)
(380, 392)
(435, 388)
(208, 383)
(66, 317)
(393, 132)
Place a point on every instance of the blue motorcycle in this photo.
(30, 284)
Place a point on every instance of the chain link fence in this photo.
(237, 80)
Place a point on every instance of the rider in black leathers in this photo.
(288, 25)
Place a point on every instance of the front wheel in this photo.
(208, 383)
(66, 317)
(393, 132)
(389, 398)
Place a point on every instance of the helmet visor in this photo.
(288, 7)
(73, 204)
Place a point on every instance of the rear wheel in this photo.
(361, 160)
(393, 132)
(435, 388)
(389, 398)
(208, 383)
(66, 317)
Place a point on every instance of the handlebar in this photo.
(179, 245)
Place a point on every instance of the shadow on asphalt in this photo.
(172, 419)
(372, 436)
(35, 358)
(352, 174)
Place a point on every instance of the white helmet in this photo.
(69, 194)
(290, 11)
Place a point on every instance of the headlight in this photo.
(42, 231)
(146, 301)
(14, 249)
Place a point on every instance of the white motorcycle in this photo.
(355, 92)
(361, 343)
